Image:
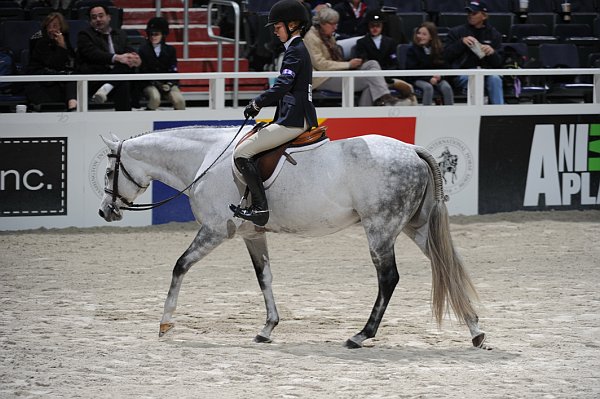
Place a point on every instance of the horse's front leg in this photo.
(257, 247)
(205, 241)
(387, 278)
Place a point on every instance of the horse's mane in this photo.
(184, 128)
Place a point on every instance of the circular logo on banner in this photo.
(455, 161)
(97, 170)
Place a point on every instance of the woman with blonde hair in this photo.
(326, 56)
(426, 52)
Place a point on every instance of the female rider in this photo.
(295, 112)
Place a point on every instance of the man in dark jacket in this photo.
(103, 50)
(476, 44)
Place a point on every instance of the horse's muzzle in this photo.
(111, 214)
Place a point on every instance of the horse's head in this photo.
(121, 186)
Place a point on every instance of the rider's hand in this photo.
(251, 110)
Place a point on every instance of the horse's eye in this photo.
(109, 173)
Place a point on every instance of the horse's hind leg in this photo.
(418, 231)
(257, 247)
(205, 241)
(382, 254)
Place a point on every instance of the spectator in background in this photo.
(426, 52)
(103, 50)
(381, 48)
(476, 44)
(52, 54)
(353, 18)
(159, 57)
(326, 56)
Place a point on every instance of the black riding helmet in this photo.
(374, 17)
(158, 24)
(287, 11)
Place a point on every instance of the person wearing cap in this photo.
(326, 56)
(476, 44)
(159, 57)
(426, 52)
(295, 112)
(381, 48)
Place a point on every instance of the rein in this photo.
(145, 207)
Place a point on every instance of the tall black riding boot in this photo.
(258, 212)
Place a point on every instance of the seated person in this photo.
(51, 54)
(381, 48)
(326, 56)
(476, 44)
(103, 50)
(159, 57)
(426, 52)
(353, 21)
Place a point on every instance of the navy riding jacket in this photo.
(292, 90)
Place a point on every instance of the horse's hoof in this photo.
(352, 344)
(262, 340)
(479, 342)
(165, 328)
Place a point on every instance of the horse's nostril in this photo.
(101, 213)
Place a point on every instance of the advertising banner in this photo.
(539, 163)
(33, 176)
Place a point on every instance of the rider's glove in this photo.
(251, 110)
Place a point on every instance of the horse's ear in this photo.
(114, 137)
(110, 144)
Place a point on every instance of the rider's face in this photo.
(280, 32)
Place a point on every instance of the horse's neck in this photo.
(173, 157)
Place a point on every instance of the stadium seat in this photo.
(542, 6)
(564, 55)
(76, 26)
(445, 6)
(39, 13)
(567, 31)
(502, 21)
(15, 35)
(546, 18)
(502, 5)
(12, 14)
(405, 5)
(410, 21)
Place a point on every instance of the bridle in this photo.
(145, 207)
(115, 186)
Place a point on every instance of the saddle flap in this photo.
(267, 160)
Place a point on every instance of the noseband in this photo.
(115, 188)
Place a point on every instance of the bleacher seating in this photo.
(564, 55)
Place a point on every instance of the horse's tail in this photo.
(451, 284)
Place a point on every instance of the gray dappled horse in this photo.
(386, 185)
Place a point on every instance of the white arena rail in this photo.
(217, 94)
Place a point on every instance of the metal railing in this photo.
(217, 94)
(220, 39)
